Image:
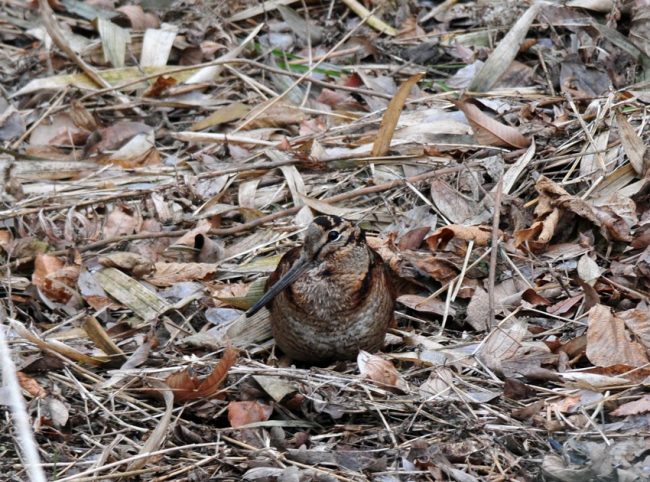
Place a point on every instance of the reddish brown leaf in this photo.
(30, 385)
(244, 413)
(56, 280)
(481, 235)
(139, 19)
(187, 386)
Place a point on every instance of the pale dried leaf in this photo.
(609, 343)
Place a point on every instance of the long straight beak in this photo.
(299, 267)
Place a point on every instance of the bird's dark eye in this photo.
(333, 235)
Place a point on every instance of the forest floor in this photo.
(159, 157)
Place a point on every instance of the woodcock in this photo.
(331, 297)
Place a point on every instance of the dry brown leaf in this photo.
(30, 385)
(278, 115)
(136, 263)
(478, 314)
(121, 221)
(452, 204)
(502, 344)
(188, 240)
(245, 413)
(489, 131)
(481, 235)
(642, 405)
(609, 343)
(588, 270)
(139, 19)
(614, 218)
(391, 116)
(425, 305)
(61, 130)
(166, 274)
(380, 371)
(115, 136)
(55, 280)
(229, 113)
(187, 386)
(160, 87)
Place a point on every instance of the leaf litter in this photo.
(158, 162)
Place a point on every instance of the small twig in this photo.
(494, 254)
(27, 444)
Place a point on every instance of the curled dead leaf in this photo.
(489, 131)
(187, 386)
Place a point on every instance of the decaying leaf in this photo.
(186, 386)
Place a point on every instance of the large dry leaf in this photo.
(452, 204)
(144, 302)
(478, 314)
(391, 116)
(554, 200)
(229, 113)
(121, 221)
(502, 344)
(138, 264)
(489, 131)
(425, 304)
(609, 343)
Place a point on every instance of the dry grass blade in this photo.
(157, 437)
(391, 117)
(18, 409)
(502, 56)
(56, 346)
(633, 145)
(99, 336)
(372, 20)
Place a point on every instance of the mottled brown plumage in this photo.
(330, 297)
